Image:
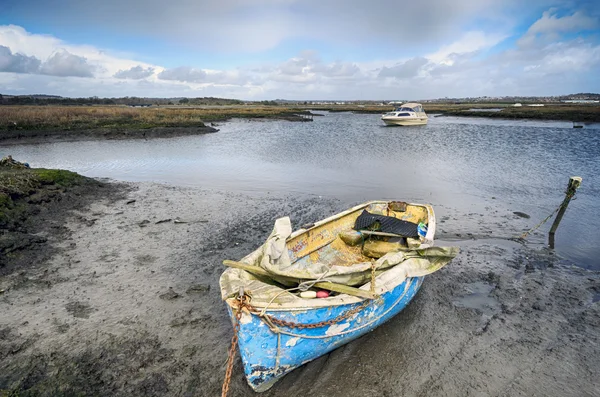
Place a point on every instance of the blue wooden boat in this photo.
(279, 330)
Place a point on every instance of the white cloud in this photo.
(17, 63)
(569, 57)
(550, 26)
(469, 64)
(294, 67)
(183, 73)
(232, 77)
(308, 68)
(469, 42)
(337, 69)
(43, 47)
(63, 64)
(550, 23)
(405, 70)
(201, 78)
(135, 73)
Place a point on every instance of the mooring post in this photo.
(574, 183)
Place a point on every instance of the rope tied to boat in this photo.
(373, 278)
(243, 302)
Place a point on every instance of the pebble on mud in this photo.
(198, 289)
(79, 309)
(169, 295)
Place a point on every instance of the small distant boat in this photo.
(577, 124)
(281, 328)
(407, 114)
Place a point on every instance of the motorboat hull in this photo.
(405, 121)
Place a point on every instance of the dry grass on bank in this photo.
(90, 117)
(86, 117)
(564, 112)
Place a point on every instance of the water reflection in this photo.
(462, 163)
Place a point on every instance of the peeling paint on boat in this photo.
(259, 344)
(336, 328)
(270, 353)
(245, 318)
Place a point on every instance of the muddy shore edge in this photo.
(16, 137)
(115, 298)
(38, 124)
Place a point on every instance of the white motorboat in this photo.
(407, 114)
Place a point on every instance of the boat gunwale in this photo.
(349, 300)
(430, 221)
(233, 302)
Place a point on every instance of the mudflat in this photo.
(118, 296)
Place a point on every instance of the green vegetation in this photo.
(21, 185)
(57, 177)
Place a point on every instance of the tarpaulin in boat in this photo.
(387, 224)
(391, 269)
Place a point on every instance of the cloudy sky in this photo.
(299, 49)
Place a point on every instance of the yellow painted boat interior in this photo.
(322, 242)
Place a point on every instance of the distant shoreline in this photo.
(35, 124)
(550, 112)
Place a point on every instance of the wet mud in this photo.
(19, 137)
(125, 302)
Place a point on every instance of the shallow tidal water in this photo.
(468, 167)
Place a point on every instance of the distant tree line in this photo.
(47, 100)
(210, 101)
(130, 101)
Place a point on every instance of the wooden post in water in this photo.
(574, 183)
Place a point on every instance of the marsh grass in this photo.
(93, 117)
(589, 113)
(17, 184)
(90, 117)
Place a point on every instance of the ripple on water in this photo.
(466, 165)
